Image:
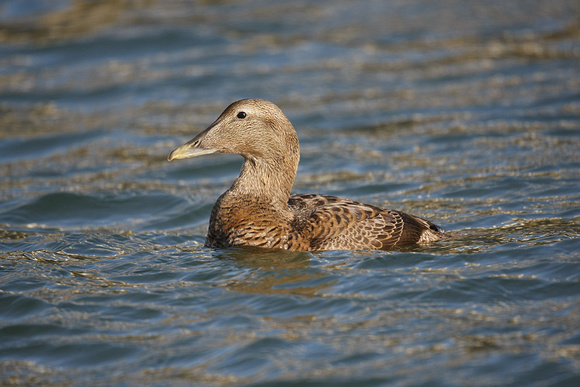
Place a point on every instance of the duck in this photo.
(260, 210)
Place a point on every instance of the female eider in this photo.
(258, 209)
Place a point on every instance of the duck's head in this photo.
(254, 128)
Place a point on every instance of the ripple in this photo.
(69, 210)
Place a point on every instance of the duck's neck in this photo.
(266, 180)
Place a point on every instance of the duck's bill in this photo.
(189, 150)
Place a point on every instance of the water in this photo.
(466, 113)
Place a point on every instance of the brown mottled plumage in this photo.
(258, 209)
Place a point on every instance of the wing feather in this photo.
(328, 223)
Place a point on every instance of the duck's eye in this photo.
(242, 115)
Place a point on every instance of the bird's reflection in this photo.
(276, 271)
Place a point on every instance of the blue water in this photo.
(465, 113)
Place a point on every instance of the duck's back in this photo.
(328, 223)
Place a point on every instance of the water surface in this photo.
(462, 112)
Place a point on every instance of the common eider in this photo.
(258, 209)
